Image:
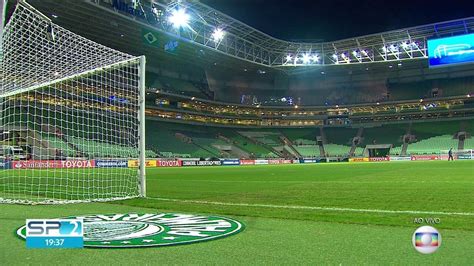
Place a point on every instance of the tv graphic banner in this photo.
(168, 163)
(44, 164)
(451, 50)
(54, 233)
(111, 163)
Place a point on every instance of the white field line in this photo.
(320, 182)
(298, 207)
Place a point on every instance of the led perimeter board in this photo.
(451, 50)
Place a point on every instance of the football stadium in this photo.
(169, 132)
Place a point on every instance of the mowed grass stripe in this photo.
(316, 208)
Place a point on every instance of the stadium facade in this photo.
(266, 97)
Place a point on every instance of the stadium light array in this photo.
(179, 18)
(288, 58)
(393, 48)
(218, 35)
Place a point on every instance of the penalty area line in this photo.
(300, 207)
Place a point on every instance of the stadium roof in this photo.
(243, 42)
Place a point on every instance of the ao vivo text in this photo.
(427, 220)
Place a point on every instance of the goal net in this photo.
(71, 116)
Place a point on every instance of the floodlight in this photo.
(306, 58)
(179, 18)
(218, 35)
(404, 45)
(334, 56)
(288, 58)
(315, 58)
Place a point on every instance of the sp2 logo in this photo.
(54, 233)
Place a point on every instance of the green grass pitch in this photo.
(347, 213)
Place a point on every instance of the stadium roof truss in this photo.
(246, 43)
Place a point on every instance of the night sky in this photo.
(336, 19)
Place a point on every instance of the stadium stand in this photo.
(387, 134)
(338, 141)
(60, 144)
(434, 137)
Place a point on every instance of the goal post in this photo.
(72, 116)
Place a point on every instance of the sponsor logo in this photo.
(54, 233)
(465, 157)
(261, 161)
(111, 163)
(400, 158)
(426, 239)
(201, 163)
(424, 157)
(230, 162)
(38, 164)
(358, 160)
(311, 160)
(167, 163)
(247, 162)
(135, 164)
(132, 230)
(279, 161)
(379, 159)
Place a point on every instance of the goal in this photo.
(71, 116)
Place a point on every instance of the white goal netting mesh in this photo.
(69, 115)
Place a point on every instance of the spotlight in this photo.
(384, 49)
(218, 35)
(306, 58)
(288, 58)
(343, 55)
(355, 53)
(364, 52)
(404, 45)
(179, 18)
(334, 56)
(315, 58)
